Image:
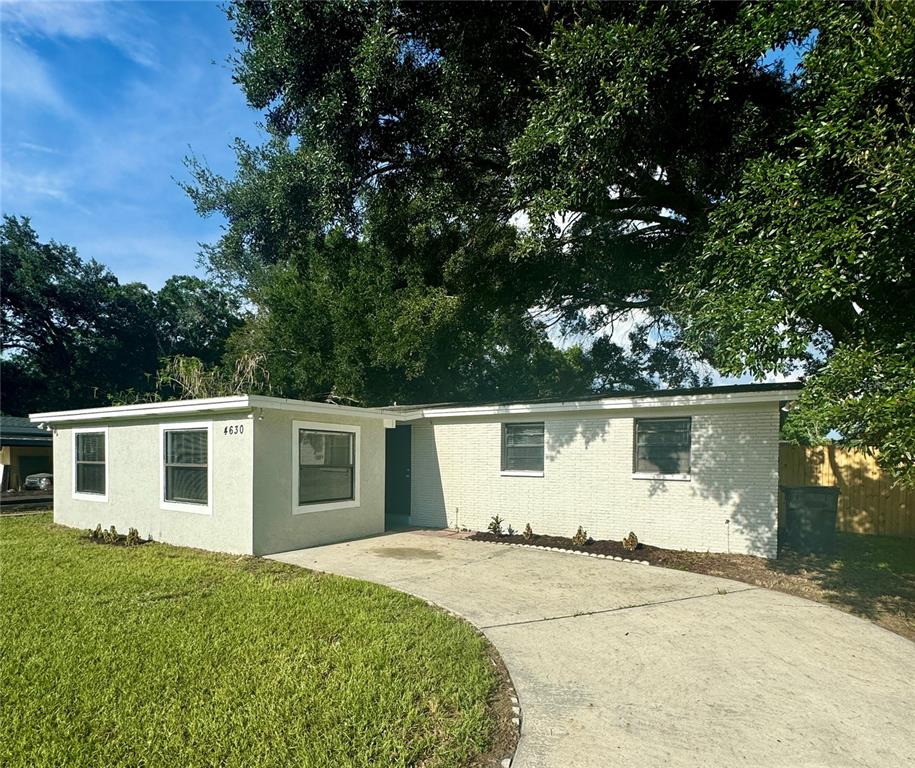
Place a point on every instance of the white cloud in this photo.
(25, 77)
(120, 24)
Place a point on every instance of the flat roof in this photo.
(18, 430)
(674, 397)
(630, 394)
(731, 394)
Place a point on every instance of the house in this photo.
(683, 468)
(25, 449)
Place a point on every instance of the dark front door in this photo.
(397, 477)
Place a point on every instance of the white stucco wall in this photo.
(588, 479)
(134, 477)
(276, 528)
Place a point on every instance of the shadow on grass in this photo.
(871, 576)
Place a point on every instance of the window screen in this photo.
(662, 446)
(186, 466)
(326, 466)
(522, 447)
(90, 462)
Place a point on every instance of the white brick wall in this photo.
(588, 479)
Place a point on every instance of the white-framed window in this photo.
(90, 463)
(325, 466)
(522, 449)
(186, 467)
(662, 448)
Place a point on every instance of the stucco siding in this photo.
(728, 504)
(276, 528)
(134, 478)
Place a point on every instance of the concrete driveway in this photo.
(622, 664)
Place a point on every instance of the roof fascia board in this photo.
(164, 408)
(610, 404)
(309, 406)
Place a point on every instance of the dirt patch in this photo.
(407, 553)
(869, 576)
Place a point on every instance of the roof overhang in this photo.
(213, 405)
(248, 403)
(606, 404)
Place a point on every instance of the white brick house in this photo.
(684, 469)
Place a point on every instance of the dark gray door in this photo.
(397, 477)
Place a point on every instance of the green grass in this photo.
(162, 656)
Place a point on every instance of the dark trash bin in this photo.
(810, 517)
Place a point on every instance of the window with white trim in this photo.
(522, 448)
(91, 468)
(326, 466)
(186, 466)
(662, 447)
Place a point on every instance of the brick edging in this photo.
(595, 555)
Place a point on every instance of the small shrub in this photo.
(133, 538)
(528, 533)
(110, 536)
(631, 542)
(581, 537)
(495, 525)
(96, 535)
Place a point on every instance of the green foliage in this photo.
(73, 336)
(495, 525)
(194, 319)
(133, 538)
(869, 397)
(371, 230)
(528, 533)
(580, 537)
(757, 219)
(71, 332)
(177, 657)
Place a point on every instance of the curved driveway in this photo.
(623, 664)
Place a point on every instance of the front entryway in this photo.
(397, 460)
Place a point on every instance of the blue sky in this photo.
(100, 104)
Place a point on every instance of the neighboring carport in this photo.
(25, 449)
(624, 664)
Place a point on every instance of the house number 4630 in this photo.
(234, 429)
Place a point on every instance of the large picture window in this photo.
(186, 466)
(326, 466)
(522, 448)
(90, 460)
(662, 447)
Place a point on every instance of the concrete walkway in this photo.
(620, 664)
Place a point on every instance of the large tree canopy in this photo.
(761, 217)
(73, 336)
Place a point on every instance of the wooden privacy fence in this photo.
(868, 500)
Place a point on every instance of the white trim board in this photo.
(202, 406)
(252, 402)
(635, 402)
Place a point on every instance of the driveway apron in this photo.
(619, 664)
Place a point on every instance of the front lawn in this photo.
(163, 656)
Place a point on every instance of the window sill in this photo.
(324, 506)
(654, 476)
(197, 509)
(520, 473)
(103, 497)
